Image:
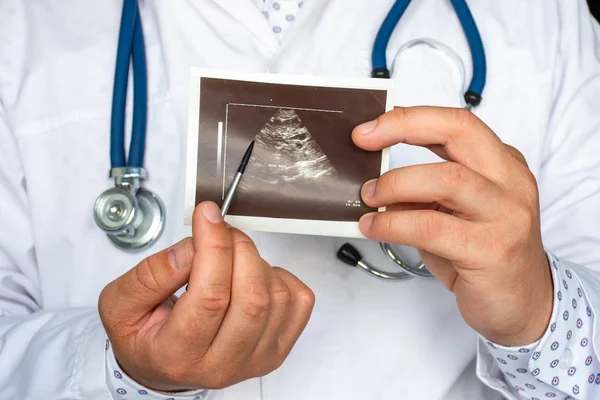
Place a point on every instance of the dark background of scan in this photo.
(330, 130)
(595, 8)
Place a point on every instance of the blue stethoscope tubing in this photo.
(131, 216)
(130, 48)
(474, 93)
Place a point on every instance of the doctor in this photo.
(509, 225)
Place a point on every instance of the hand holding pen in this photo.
(239, 318)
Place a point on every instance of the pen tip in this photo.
(246, 157)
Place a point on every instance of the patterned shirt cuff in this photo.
(120, 385)
(562, 364)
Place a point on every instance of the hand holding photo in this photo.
(305, 173)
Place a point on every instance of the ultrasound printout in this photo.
(304, 171)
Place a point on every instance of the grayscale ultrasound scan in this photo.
(304, 166)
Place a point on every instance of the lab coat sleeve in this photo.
(569, 184)
(44, 353)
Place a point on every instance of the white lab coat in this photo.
(367, 338)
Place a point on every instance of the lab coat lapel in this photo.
(299, 33)
(248, 15)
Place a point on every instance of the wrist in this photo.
(147, 380)
(533, 311)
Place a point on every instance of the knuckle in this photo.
(517, 154)
(306, 297)
(246, 247)
(239, 237)
(256, 300)
(428, 226)
(383, 224)
(280, 294)
(220, 247)
(465, 117)
(399, 114)
(507, 249)
(513, 244)
(215, 297)
(526, 218)
(453, 174)
(465, 120)
(390, 183)
(529, 186)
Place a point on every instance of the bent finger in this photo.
(250, 302)
(448, 183)
(463, 137)
(278, 314)
(302, 302)
(439, 233)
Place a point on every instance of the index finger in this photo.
(462, 136)
(200, 310)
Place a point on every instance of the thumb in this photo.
(149, 283)
(441, 268)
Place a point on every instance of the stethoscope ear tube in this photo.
(474, 93)
(378, 58)
(130, 50)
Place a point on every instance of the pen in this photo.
(236, 180)
(235, 183)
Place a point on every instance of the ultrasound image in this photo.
(285, 152)
(304, 164)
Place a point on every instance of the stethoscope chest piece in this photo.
(131, 216)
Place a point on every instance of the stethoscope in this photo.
(472, 98)
(133, 217)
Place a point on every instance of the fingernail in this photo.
(366, 221)
(212, 213)
(180, 256)
(368, 189)
(367, 127)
